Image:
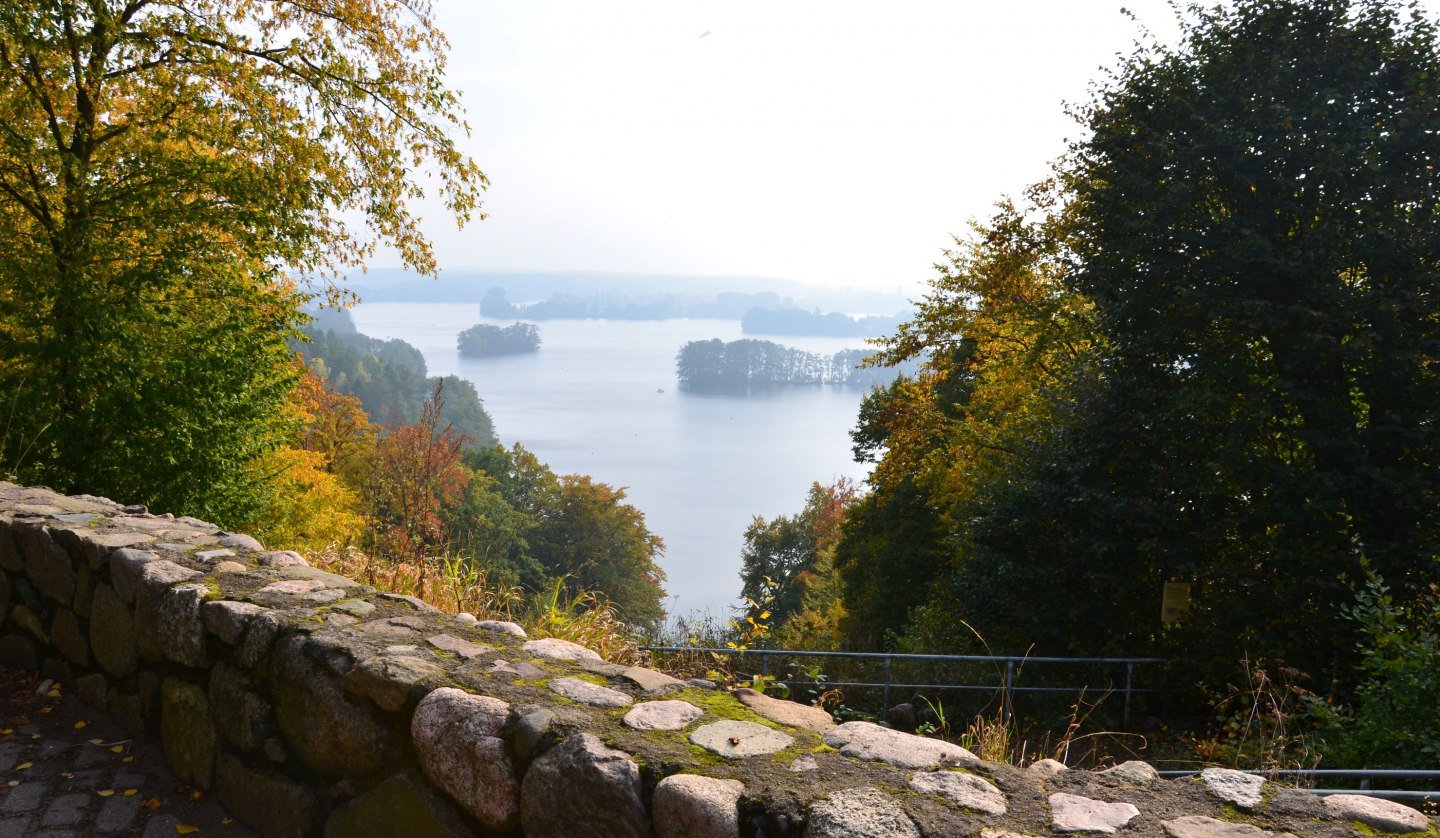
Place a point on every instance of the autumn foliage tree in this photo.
(164, 168)
(417, 478)
(315, 502)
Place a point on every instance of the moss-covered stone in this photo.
(69, 637)
(187, 733)
(272, 804)
(26, 618)
(331, 734)
(46, 563)
(243, 717)
(112, 633)
(403, 806)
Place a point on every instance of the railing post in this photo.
(1005, 691)
(764, 662)
(1129, 680)
(885, 691)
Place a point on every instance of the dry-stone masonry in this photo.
(313, 705)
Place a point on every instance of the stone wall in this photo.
(313, 705)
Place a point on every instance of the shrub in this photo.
(1394, 718)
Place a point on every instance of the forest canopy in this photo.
(1207, 352)
(389, 378)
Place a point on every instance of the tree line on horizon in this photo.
(764, 313)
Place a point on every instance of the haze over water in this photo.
(600, 398)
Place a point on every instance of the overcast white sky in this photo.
(829, 142)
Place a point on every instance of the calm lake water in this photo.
(600, 398)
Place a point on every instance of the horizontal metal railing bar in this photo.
(1378, 793)
(895, 686)
(1012, 665)
(1361, 773)
(896, 656)
(1404, 773)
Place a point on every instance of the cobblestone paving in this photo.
(66, 770)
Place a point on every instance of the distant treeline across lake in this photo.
(762, 313)
(714, 366)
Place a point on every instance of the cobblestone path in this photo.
(67, 770)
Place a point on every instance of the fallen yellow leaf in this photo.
(152, 804)
(105, 792)
(54, 693)
(49, 709)
(7, 731)
(24, 765)
(130, 792)
(80, 725)
(185, 828)
(34, 736)
(95, 741)
(128, 759)
(118, 749)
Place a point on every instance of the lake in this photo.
(600, 398)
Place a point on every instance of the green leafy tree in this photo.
(601, 544)
(1256, 229)
(579, 530)
(787, 566)
(1394, 720)
(1210, 360)
(494, 535)
(163, 166)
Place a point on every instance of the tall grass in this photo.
(454, 584)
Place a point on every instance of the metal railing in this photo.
(1365, 775)
(1007, 686)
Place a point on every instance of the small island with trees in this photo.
(714, 366)
(484, 340)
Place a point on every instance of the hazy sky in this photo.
(829, 142)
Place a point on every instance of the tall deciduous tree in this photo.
(601, 544)
(161, 166)
(1222, 369)
(1258, 227)
(1002, 338)
(572, 528)
(417, 481)
(788, 568)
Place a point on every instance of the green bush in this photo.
(1394, 718)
